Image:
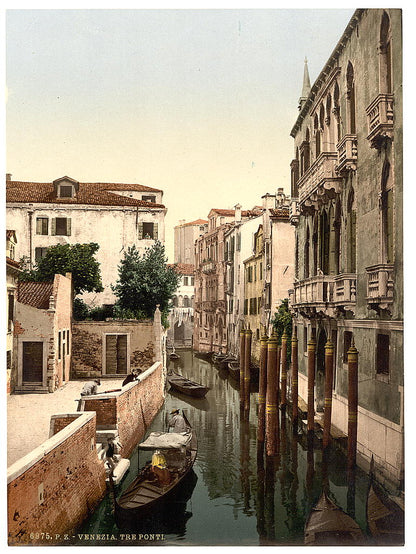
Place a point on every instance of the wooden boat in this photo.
(328, 525)
(204, 355)
(154, 486)
(217, 359)
(174, 356)
(186, 386)
(223, 364)
(385, 518)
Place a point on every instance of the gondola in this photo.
(385, 518)
(223, 363)
(186, 386)
(217, 359)
(174, 356)
(154, 486)
(328, 525)
(204, 355)
(234, 369)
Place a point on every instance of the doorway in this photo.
(116, 354)
(320, 372)
(33, 362)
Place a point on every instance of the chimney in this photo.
(268, 201)
(237, 213)
(8, 177)
(280, 197)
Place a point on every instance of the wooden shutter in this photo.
(121, 354)
(38, 226)
(68, 226)
(155, 231)
(140, 230)
(111, 354)
(53, 226)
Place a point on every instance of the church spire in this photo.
(306, 88)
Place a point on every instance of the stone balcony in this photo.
(380, 119)
(320, 180)
(208, 267)
(294, 211)
(380, 285)
(347, 154)
(327, 294)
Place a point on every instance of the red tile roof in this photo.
(184, 269)
(10, 233)
(14, 263)
(88, 193)
(35, 294)
(231, 213)
(280, 213)
(196, 222)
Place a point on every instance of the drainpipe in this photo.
(30, 214)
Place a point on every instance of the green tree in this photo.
(145, 281)
(282, 319)
(77, 259)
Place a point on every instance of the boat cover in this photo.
(165, 440)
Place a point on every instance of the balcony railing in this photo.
(347, 153)
(314, 290)
(345, 288)
(380, 284)
(321, 175)
(380, 118)
(208, 267)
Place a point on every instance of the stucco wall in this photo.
(88, 341)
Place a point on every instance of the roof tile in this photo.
(35, 294)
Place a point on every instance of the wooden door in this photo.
(32, 362)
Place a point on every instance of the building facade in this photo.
(114, 215)
(347, 209)
(12, 275)
(185, 235)
(181, 317)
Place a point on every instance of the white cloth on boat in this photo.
(165, 440)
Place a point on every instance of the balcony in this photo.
(294, 212)
(208, 267)
(347, 154)
(321, 178)
(380, 118)
(345, 289)
(380, 285)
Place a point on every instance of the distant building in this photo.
(181, 317)
(347, 195)
(42, 334)
(185, 237)
(66, 211)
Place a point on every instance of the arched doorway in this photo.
(179, 332)
(320, 371)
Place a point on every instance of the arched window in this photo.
(186, 303)
(351, 99)
(317, 136)
(175, 301)
(386, 74)
(337, 112)
(297, 257)
(387, 213)
(306, 254)
(337, 230)
(351, 233)
(324, 243)
(315, 244)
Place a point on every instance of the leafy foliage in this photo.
(282, 319)
(145, 281)
(81, 311)
(78, 259)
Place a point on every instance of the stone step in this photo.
(101, 435)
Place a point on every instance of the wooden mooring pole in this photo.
(262, 389)
(283, 398)
(242, 357)
(294, 381)
(247, 364)
(311, 384)
(271, 396)
(352, 404)
(329, 371)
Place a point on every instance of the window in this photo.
(186, 302)
(305, 340)
(116, 354)
(150, 198)
(66, 191)
(61, 226)
(147, 230)
(192, 281)
(59, 345)
(386, 81)
(42, 225)
(11, 312)
(261, 271)
(67, 341)
(347, 344)
(185, 281)
(351, 99)
(383, 354)
(40, 252)
(9, 359)
(246, 306)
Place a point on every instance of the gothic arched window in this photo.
(386, 74)
(351, 99)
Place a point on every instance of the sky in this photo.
(196, 102)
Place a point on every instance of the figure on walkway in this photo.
(90, 387)
(113, 447)
(131, 377)
(177, 423)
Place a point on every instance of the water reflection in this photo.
(241, 496)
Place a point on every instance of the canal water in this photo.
(233, 498)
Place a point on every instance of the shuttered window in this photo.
(40, 252)
(116, 354)
(61, 226)
(42, 225)
(147, 230)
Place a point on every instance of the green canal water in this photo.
(232, 497)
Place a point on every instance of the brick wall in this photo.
(60, 421)
(67, 470)
(132, 410)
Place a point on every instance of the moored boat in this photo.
(186, 386)
(234, 369)
(328, 525)
(175, 454)
(204, 355)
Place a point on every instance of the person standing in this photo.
(177, 423)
